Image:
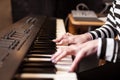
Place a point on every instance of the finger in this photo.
(77, 59)
(63, 42)
(62, 37)
(69, 34)
(58, 39)
(62, 55)
(59, 51)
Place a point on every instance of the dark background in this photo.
(54, 8)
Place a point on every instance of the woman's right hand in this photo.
(80, 51)
(68, 39)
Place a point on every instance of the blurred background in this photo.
(13, 10)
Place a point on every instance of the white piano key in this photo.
(66, 76)
(60, 28)
(38, 59)
(41, 55)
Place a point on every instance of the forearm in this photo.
(109, 49)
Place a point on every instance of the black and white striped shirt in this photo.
(109, 47)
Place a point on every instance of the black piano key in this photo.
(38, 70)
(45, 36)
(33, 65)
(50, 36)
(42, 51)
(40, 42)
(38, 65)
(44, 45)
(42, 36)
(51, 31)
(44, 42)
(43, 48)
(37, 47)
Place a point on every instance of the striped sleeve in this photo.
(108, 49)
(108, 30)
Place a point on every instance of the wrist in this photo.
(88, 36)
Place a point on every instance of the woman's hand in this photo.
(63, 40)
(68, 39)
(79, 51)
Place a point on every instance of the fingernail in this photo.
(53, 61)
(53, 39)
(70, 70)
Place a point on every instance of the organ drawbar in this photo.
(26, 48)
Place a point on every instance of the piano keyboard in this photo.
(32, 48)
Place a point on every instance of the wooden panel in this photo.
(5, 13)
